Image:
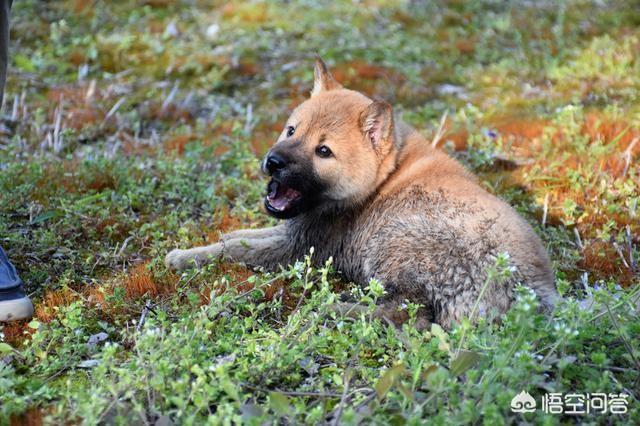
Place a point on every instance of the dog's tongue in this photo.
(280, 196)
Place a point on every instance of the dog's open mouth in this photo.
(281, 197)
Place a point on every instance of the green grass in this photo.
(136, 127)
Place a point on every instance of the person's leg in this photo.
(14, 303)
(5, 11)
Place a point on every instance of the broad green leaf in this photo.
(91, 198)
(388, 379)
(5, 347)
(427, 371)
(230, 389)
(43, 217)
(279, 402)
(464, 361)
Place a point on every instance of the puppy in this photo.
(361, 186)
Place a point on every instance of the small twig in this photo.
(346, 379)
(108, 409)
(584, 280)
(365, 401)
(293, 393)
(56, 374)
(440, 132)
(618, 304)
(57, 137)
(90, 91)
(23, 102)
(300, 300)
(624, 340)
(14, 110)
(93, 268)
(619, 251)
(578, 239)
(545, 210)
(248, 125)
(113, 110)
(124, 245)
(143, 317)
(632, 260)
(120, 74)
(186, 100)
(169, 99)
(628, 155)
(612, 368)
(192, 277)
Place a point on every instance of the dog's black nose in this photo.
(274, 162)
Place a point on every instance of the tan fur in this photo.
(394, 209)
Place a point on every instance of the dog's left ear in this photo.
(322, 78)
(376, 123)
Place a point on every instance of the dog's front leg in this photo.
(268, 247)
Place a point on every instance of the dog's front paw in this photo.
(198, 257)
(177, 259)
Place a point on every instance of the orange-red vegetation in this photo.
(156, 26)
(14, 331)
(224, 222)
(177, 143)
(602, 261)
(101, 180)
(524, 139)
(521, 128)
(64, 175)
(139, 282)
(77, 57)
(78, 111)
(264, 135)
(45, 308)
(466, 46)
(599, 126)
(363, 76)
(31, 417)
(80, 6)
(172, 112)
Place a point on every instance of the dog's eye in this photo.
(290, 131)
(323, 151)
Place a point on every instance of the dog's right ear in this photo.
(322, 78)
(376, 123)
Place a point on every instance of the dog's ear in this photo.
(322, 78)
(376, 123)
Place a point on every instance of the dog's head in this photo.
(335, 150)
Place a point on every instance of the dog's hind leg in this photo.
(389, 312)
(267, 248)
